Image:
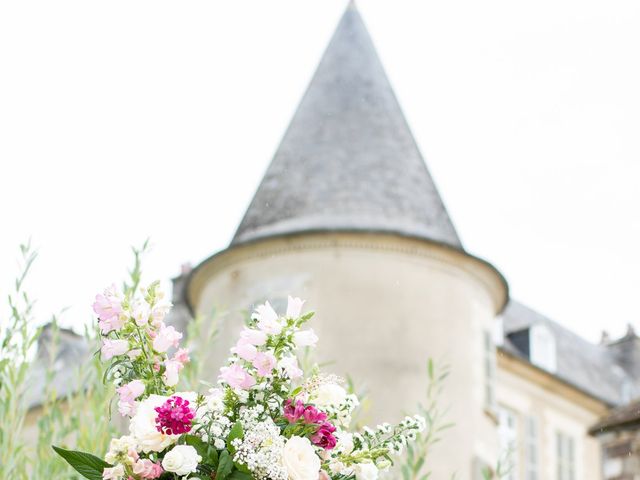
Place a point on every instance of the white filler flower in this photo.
(300, 459)
(181, 460)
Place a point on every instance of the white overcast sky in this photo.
(126, 119)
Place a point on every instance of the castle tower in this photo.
(348, 217)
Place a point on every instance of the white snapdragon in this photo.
(119, 448)
(366, 471)
(267, 318)
(305, 338)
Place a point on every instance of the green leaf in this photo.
(225, 465)
(238, 475)
(236, 432)
(208, 453)
(87, 465)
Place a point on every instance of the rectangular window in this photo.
(565, 452)
(531, 448)
(508, 436)
(489, 370)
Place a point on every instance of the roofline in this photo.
(301, 233)
(604, 426)
(561, 380)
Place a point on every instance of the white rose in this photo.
(143, 424)
(300, 459)
(181, 460)
(366, 471)
(329, 394)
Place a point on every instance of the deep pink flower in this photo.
(313, 415)
(174, 416)
(293, 411)
(324, 436)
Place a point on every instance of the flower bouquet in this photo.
(263, 420)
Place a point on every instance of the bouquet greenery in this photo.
(263, 420)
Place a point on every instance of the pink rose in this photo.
(166, 337)
(146, 469)
(264, 363)
(237, 377)
(112, 348)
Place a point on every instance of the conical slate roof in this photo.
(348, 161)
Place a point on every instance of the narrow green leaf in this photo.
(87, 465)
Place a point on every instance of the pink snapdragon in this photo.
(245, 350)
(267, 319)
(264, 363)
(108, 305)
(294, 307)
(128, 394)
(166, 338)
(174, 416)
(147, 469)
(140, 313)
(173, 367)
(305, 338)
(112, 348)
(312, 415)
(324, 436)
(293, 410)
(158, 313)
(237, 377)
(254, 337)
(290, 367)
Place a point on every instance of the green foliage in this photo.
(415, 466)
(76, 419)
(89, 466)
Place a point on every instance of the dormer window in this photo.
(542, 348)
